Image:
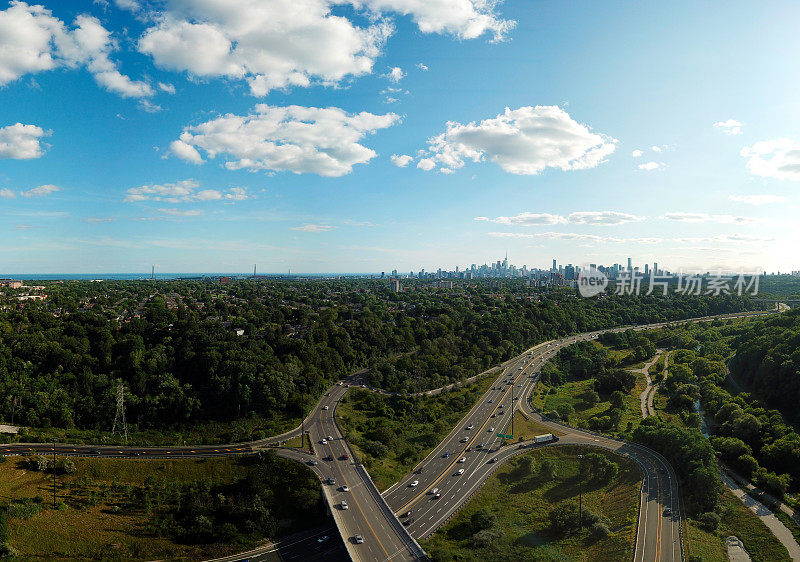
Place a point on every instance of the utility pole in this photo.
(54, 473)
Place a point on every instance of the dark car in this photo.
(408, 521)
(407, 514)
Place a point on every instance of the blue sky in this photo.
(196, 137)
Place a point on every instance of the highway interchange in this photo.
(378, 519)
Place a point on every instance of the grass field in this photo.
(737, 520)
(527, 429)
(88, 522)
(574, 393)
(408, 434)
(521, 501)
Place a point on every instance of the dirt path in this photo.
(649, 391)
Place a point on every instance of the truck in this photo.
(546, 438)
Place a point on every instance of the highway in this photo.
(370, 514)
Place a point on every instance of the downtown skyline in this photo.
(140, 133)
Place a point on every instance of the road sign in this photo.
(501, 436)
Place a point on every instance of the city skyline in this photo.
(399, 135)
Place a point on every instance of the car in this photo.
(493, 460)
(358, 538)
(312, 462)
(341, 383)
(437, 495)
(407, 514)
(95, 451)
(465, 439)
(434, 491)
(344, 505)
(519, 386)
(469, 450)
(324, 407)
(330, 438)
(331, 480)
(490, 401)
(408, 521)
(470, 426)
(462, 460)
(667, 512)
(414, 484)
(481, 446)
(323, 539)
(324, 441)
(501, 406)
(329, 458)
(459, 472)
(363, 386)
(491, 429)
(500, 413)
(345, 457)
(419, 470)
(447, 454)
(345, 488)
(494, 415)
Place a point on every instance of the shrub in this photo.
(599, 530)
(482, 519)
(709, 521)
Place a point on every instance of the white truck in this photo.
(546, 438)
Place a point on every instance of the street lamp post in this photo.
(580, 496)
(54, 473)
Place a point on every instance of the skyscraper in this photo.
(655, 268)
(554, 265)
(629, 264)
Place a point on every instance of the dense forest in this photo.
(190, 351)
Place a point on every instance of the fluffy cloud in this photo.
(395, 74)
(21, 142)
(323, 141)
(273, 44)
(729, 127)
(466, 19)
(32, 40)
(401, 160)
(422, 67)
(41, 191)
(779, 159)
(602, 218)
(637, 153)
(184, 191)
(708, 218)
(6, 193)
(313, 228)
(650, 166)
(284, 43)
(573, 236)
(521, 141)
(759, 199)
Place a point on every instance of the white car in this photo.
(324, 441)
(330, 438)
(359, 539)
(324, 407)
(462, 460)
(414, 484)
(459, 472)
(470, 426)
(491, 429)
(465, 439)
(344, 505)
(434, 491)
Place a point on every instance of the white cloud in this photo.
(526, 219)
(40, 191)
(759, 199)
(729, 127)
(184, 191)
(395, 74)
(180, 212)
(779, 159)
(323, 141)
(422, 67)
(650, 166)
(313, 228)
(21, 142)
(595, 218)
(466, 19)
(521, 141)
(602, 218)
(97, 220)
(401, 160)
(637, 153)
(732, 238)
(6, 193)
(655, 148)
(164, 87)
(274, 44)
(426, 164)
(32, 40)
(573, 236)
(708, 218)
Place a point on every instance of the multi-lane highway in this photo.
(368, 526)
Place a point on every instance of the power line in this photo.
(119, 417)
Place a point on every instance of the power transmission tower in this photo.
(119, 418)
